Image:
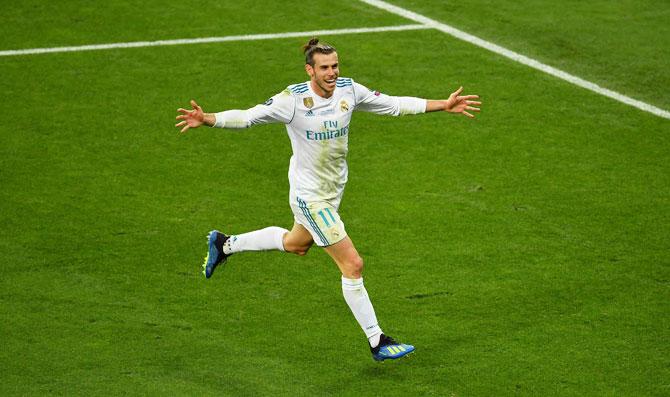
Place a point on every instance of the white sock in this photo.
(359, 302)
(374, 340)
(270, 238)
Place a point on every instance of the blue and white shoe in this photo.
(215, 255)
(389, 349)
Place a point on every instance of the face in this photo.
(324, 73)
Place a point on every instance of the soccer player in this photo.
(317, 115)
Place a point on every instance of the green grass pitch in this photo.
(523, 253)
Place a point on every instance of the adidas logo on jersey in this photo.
(309, 113)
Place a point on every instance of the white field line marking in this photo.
(518, 57)
(34, 51)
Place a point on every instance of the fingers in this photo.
(476, 103)
(185, 115)
(467, 97)
(468, 114)
(184, 124)
(195, 105)
(466, 108)
(458, 91)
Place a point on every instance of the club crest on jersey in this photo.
(344, 106)
(308, 102)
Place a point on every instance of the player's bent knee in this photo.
(300, 250)
(356, 266)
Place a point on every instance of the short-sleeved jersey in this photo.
(319, 131)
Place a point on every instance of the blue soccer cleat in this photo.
(215, 255)
(389, 349)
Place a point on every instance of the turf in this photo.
(622, 45)
(523, 253)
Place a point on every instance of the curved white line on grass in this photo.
(518, 57)
(35, 51)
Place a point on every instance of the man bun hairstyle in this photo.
(313, 46)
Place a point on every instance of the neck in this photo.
(320, 91)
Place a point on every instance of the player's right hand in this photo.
(190, 118)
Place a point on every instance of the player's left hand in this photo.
(462, 104)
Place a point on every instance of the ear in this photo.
(309, 69)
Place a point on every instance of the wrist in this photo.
(209, 119)
(436, 105)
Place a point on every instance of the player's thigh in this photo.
(346, 257)
(298, 240)
(321, 219)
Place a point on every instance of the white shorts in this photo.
(320, 218)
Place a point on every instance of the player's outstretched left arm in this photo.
(455, 104)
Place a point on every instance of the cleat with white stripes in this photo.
(389, 349)
(215, 255)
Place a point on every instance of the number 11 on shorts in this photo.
(321, 214)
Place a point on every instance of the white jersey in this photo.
(319, 130)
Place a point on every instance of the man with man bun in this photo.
(317, 114)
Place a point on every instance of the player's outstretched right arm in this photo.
(278, 109)
(194, 118)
